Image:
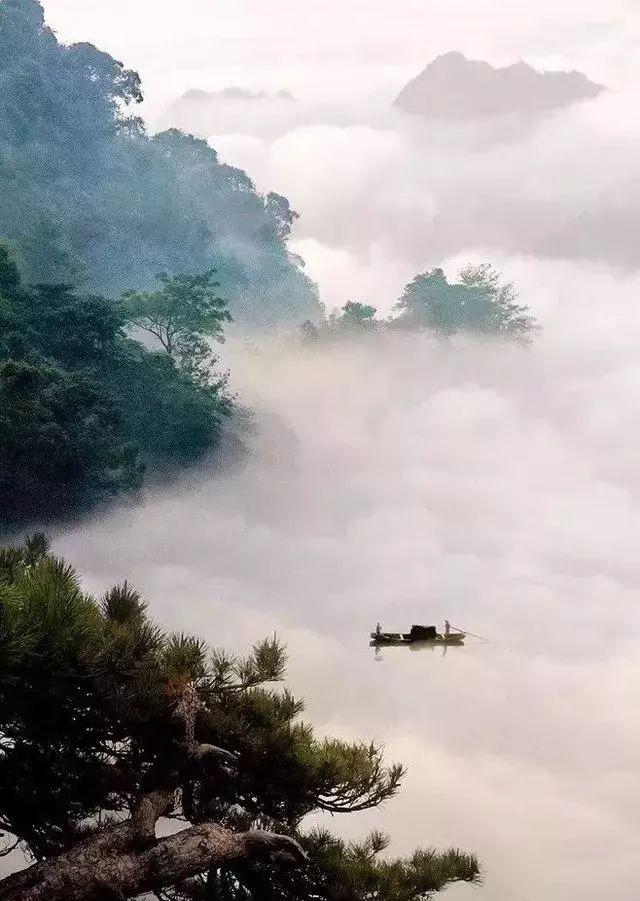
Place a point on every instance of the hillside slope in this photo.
(89, 197)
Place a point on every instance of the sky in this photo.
(346, 47)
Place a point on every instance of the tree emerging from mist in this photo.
(480, 303)
(108, 725)
(184, 316)
(88, 196)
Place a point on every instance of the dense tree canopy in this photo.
(61, 443)
(480, 303)
(87, 194)
(83, 407)
(108, 724)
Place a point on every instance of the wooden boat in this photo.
(418, 634)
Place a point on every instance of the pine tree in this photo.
(108, 726)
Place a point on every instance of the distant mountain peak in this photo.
(454, 87)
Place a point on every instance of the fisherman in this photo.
(447, 628)
(378, 630)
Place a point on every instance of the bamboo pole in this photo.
(470, 634)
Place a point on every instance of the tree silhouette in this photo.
(108, 725)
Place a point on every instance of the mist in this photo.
(405, 481)
(402, 479)
(329, 51)
(398, 195)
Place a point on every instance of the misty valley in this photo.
(318, 483)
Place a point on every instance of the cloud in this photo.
(399, 194)
(404, 481)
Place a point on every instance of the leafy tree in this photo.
(173, 421)
(356, 316)
(508, 317)
(181, 315)
(52, 322)
(61, 444)
(9, 276)
(84, 407)
(108, 725)
(429, 301)
(282, 213)
(479, 303)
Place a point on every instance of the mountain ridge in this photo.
(454, 87)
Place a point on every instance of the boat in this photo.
(418, 634)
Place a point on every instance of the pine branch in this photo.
(103, 864)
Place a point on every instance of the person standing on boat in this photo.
(378, 630)
(447, 628)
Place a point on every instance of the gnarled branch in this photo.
(114, 860)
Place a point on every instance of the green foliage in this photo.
(507, 316)
(355, 871)
(181, 315)
(354, 319)
(88, 195)
(46, 256)
(83, 408)
(171, 419)
(480, 303)
(61, 444)
(282, 213)
(91, 695)
(356, 316)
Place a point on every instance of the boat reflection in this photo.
(414, 646)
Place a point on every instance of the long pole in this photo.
(470, 634)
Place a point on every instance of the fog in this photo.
(395, 195)
(400, 480)
(404, 481)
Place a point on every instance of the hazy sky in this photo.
(338, 48)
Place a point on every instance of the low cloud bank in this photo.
(394, 195)
(403, 481)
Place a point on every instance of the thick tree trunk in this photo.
(127, 860)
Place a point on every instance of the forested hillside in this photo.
(84, 409)
(89, 197)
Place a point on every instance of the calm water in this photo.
(408, 483)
